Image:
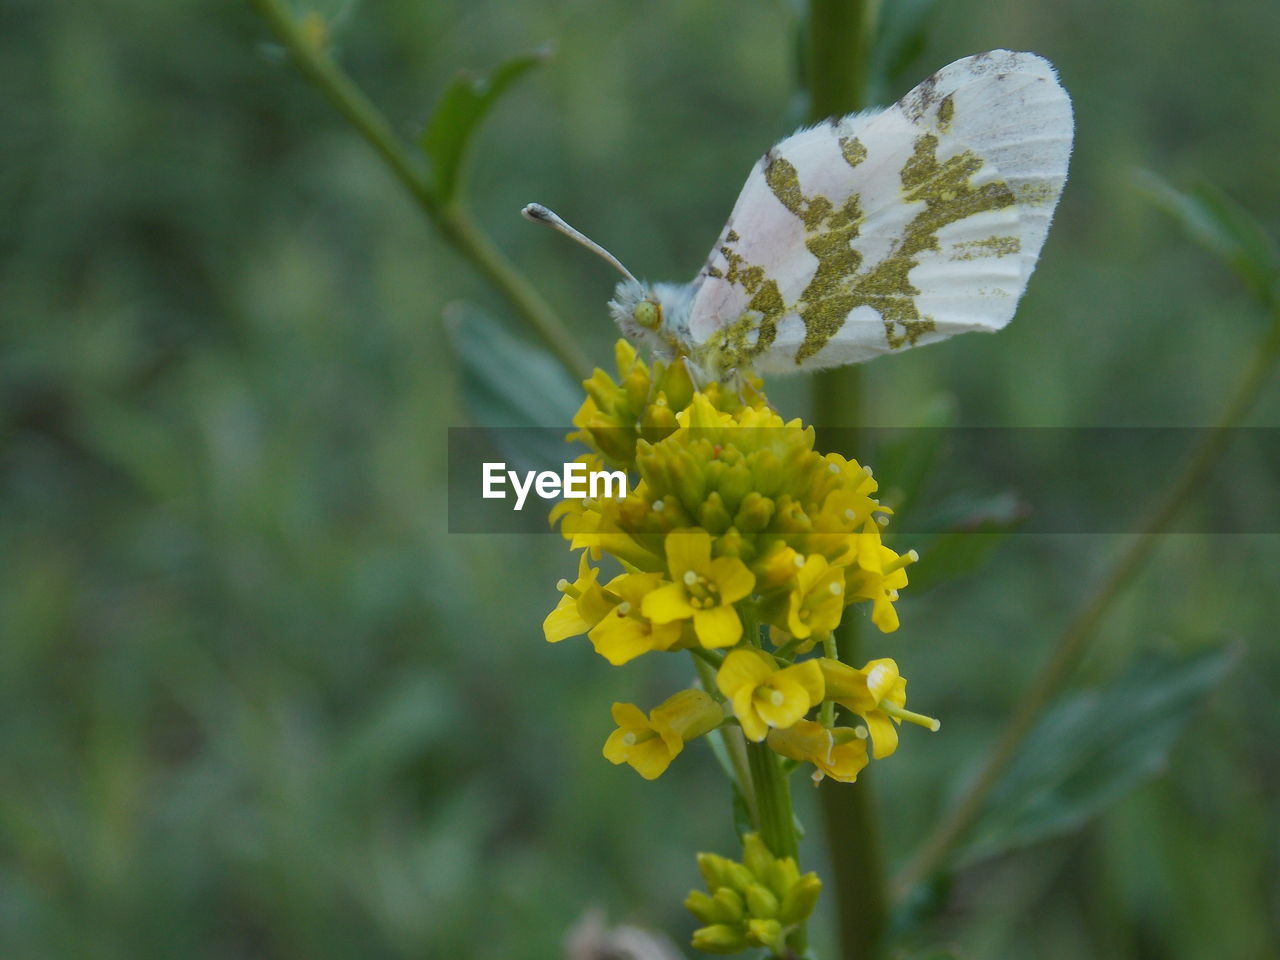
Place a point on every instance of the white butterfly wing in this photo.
(891, 228)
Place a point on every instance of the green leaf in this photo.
(509, 382)
(1224, 228)
(465, 102)
(1094, 746)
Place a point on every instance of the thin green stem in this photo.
(730, 735)
(838, 43)
(827, 712)
(317, 66)
(712, 660)
(1072, 642)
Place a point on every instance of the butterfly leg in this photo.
(691, 370)
(748, 393)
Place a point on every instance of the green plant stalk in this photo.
(453, 221)
(839, 38)
(775, 818)
(1072, 642)
(773, 815)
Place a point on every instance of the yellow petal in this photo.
(688, 550)
(846, 686)
(664, 636)
(733, 578)
(884, 616)
(793, 701)
(884, 735)
(882, 676)
(744, 708)
(805, 740)
(651, 758)
(666, 604)
(717, 627)
(685, 716)
(616, 748)
(846, 761)
(795, 603)
(629, 716)
(809, 676)
(564, 621)
(812, 571)
(620, 638)
(743, 669)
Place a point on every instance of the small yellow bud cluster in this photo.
(754, 903)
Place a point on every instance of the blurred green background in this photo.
(257, 702)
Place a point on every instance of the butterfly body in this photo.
(877, 231)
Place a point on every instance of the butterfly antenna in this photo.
(540, 214)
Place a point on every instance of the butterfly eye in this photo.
(648, 314)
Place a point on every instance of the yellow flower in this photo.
(703, 589)
(817, 600)
(650, 743)
(623, 633)
(877, 576)
(838, 753)
(581, 607)
(764, 696)
(878, 694)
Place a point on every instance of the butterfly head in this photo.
(637, 311)
(655, 315)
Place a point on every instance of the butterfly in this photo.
(871, 233)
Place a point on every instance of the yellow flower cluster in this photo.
(750, 904)
(733, 522)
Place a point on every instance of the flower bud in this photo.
(761, 902)
(702, 906)
(712, 516)
(729, 906)
(719, 938)
(765, 933)
(714, 870)
(754, 514)
(800, 900)
(782, 875)
(755, 855)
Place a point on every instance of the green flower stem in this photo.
(773, 817)
(773, 797)
(711, 659)
(827, 712)
(1074, 639)
(840, 36)
(453, 221)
